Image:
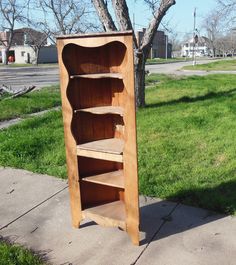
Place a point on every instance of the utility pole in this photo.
(194, 32)
(166, 47)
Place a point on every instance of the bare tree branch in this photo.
(159, 7)
(66, 17)
(23, 92)
(10, 13)
(122, 16)
(6, 90)
(104, 15)
(152, 28)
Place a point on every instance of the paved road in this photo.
(19, 77)
(40, 76)
(175, 68)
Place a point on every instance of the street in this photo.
(40, 76)
(175, 68)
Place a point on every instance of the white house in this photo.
(22, 51)
(201, 48)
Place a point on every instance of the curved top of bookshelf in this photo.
(106, 58)
(97, 34)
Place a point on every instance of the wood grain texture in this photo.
(100, 155)
(103, 110)
(99, 111)
(70, 144)
(130, 149)
(114, 179)
(111, 146)
(98, 76)
(110, 214)
(93, 194)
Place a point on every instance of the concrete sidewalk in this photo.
(34, 212)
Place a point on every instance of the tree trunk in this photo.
(214, 52)
(36, 56)
(104, 15)
(7, 55)
(139, 68)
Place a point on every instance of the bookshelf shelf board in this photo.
(107, 149)
(109, 214)
(103, 110)
(111, 145)
(98, 76)
(114, 179)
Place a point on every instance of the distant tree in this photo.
(142, 50)
(11, 12)
(36, 40)
(62, 17)
(227, 5)
(228, 10)
(174, 40)
(213, 25)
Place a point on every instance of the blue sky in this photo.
(180, 16)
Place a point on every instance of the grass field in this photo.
(16, 255)
(185, 140)
(224, 65)
(34, 101)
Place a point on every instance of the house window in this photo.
(22, 53)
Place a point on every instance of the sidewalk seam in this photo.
(37, 205)
(155, 234)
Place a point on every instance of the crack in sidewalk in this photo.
(165, 219)
(37, 205)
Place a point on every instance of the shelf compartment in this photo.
(106, 149)
(98, 76)
(103, 110)
(109, 214)
(114, 179)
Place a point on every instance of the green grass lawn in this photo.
(16, 255)
(224, 65)
(36, 145)
(34, 101)
(186, 141)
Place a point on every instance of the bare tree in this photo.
(213, 25)
(11, 11)
(66, 17)
(141, 51)
(36, 40)
(228, 8)
(227, 5)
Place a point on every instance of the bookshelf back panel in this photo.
(91, 166)
(86, 93)
(87, 127)
(86, 60)
(93, 194)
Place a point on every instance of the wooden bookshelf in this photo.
(98, 105)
